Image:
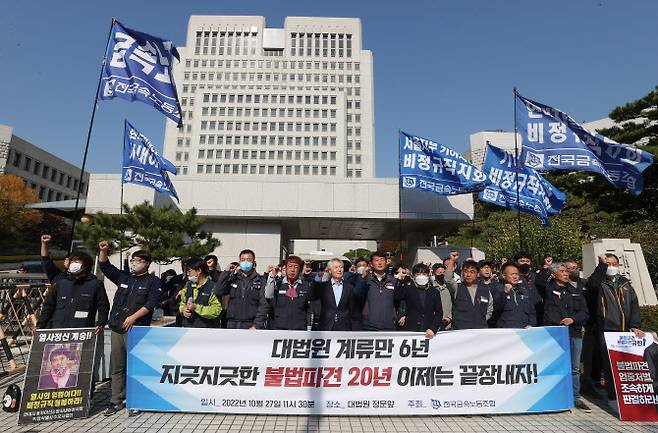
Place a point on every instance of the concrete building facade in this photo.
(295, 102)
(52, 178)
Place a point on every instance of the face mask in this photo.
(326, 277)
(573, 276)
(60, 371)
(422, 280)
(193, 278)
(279, 274)
(440, 279)
(137, 268)
(75, 268)
(399, 276)
(360, 270)
(611, 271)
(169, 278)
(524, 268)
(246, 266)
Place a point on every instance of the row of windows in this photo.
(266, 76)
(214, 125)
(321, 44)
(273, 64)
(265, 99)
(238, 43)
(226, 168)
(256, 112)
(266, 169)
(263, 154)
(273, 99)
(46, 194)
(34, 166)
(245, 43)
(260, 77)
(264, 140)
(193, 87)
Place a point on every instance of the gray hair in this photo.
(335, 260)
(556, 266)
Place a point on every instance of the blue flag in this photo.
(552, 140)
(138, 67)
(142, 165)
(433, 167)
(537, 196)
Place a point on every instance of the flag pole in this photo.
(91, 124)
(399, 197)
(516, 166)
(125, 125)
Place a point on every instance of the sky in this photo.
(442, 69)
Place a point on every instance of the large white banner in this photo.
(349, 373)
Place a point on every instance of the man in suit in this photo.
(337, 298)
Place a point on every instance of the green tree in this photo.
(166, 233)
(359, 252)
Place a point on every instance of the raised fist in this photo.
(45, 238)
(103, 245)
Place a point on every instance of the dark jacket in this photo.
(133, 293)
(245, 297)
(471, 313)
(334, 317)
(609, 315)
(73, 303)
(424, 310)
(286, 312)
(515, 309)
(377, 298)
(565, 301)
(467, 312)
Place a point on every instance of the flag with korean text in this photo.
(429, 166)
(142, 165)
(536, 195)
(552, 140)
(138, 68)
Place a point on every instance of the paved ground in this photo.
(597, 421)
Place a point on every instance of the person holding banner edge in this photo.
(424, 312)
(618, 310)
(138, 293)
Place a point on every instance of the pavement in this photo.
(599, 420)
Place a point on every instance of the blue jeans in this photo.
(576, 344)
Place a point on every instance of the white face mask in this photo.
(326, 276)
(75, 268)
(360, 270)
(193, 278)
(611, 271)
(137, 268)
(421, 279)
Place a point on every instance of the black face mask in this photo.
(524, 268)
(573, 276)
(440, 279)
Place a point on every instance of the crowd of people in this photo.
(366, 295)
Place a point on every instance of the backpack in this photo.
(12, 398)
